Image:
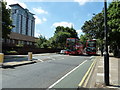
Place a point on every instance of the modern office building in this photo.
(24, 22)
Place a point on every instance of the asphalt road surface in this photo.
(44, 74)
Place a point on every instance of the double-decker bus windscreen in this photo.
(91, 43)
(71, 44)
(91, 47)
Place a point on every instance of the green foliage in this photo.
(114, 25)
(6, 21)
(83, 39)
(45, 44)
(12, 52)
(60, 39)
(94, 28)
(72, 31)
(41, 42)
(19, 45)
(60, 36)
(99, 42)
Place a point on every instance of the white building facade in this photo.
(23, 20)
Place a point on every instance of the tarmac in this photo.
(96, 80)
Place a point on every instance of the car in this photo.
(62, 51)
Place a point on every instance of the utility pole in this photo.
(106, 54)
(0, 27)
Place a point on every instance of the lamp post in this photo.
(0, 27)
(106, 54)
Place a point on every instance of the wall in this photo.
(26, 49)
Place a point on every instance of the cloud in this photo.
(40, 11)
(9, 2)
(37, 34)
(64, 24)
(44, 19)
(79, 32)
(39, 21)
(82, 2)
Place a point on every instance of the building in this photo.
(24, 22)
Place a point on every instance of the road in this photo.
(44, 74)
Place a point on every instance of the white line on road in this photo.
(92, 57)
(66, 75)
(41, 60)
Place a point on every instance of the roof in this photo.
(16, 5)
(22, 37)
(20, 7)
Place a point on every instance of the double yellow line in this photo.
(87, 73)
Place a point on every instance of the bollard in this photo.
(1, 58)
(29, 55)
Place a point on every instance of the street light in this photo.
(106, 55)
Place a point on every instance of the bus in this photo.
(91, 47)
(73, 46)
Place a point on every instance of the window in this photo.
(28, 43)
(13, 41)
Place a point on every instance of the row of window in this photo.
(13, 41)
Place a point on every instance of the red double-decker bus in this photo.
(91, 47)
(73, 46)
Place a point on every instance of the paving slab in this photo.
(14, 64)
(113, 73)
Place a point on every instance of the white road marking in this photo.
(41, 60)
(66, 75)
(92, 57)
(100, 66)
(100, 74)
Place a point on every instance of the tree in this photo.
(60, 36)
(114, 26)
(94, 28)
(6, 21)
(60, 39)
(72, 31)
(83, 39)
(40, 42)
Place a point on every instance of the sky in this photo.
(49, 15)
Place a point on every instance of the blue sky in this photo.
(52, 14)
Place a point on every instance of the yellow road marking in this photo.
(66, 75)
(80, 84)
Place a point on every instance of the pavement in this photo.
(18, 60)
(96, 80)
(114, 73)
